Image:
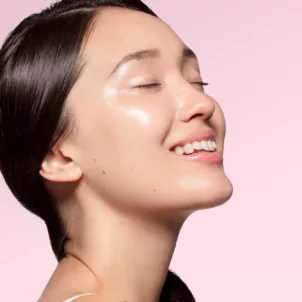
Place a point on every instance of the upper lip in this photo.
(197, 135)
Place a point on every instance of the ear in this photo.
(58, 167)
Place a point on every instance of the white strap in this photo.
(76, 297)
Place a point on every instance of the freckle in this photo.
(154, 190)
(94, 159)
(104, 172)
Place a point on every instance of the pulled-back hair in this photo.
(39, 64)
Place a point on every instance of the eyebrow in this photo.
(150, 54)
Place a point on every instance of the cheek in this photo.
(112, 130)
(144, 123)
(140, 118)
(221, 118)
(218, 119)
(121, 149)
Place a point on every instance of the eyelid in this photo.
(201, 82)
(157, 84)
(150, 85)
(141, 80)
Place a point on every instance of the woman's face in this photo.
(138, 97)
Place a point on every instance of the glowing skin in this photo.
(131, 193)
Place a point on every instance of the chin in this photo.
(209, 195)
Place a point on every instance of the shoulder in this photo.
(86, 298)
(93, 298)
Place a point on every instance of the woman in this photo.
(108, 135)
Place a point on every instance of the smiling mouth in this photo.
(196, 147)
(202, 152)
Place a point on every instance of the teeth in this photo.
(179, 150)
(197, 145)
(211, 145)
(189, 149)
(204, 145)
(208, 145)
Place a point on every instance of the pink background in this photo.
(250, 249)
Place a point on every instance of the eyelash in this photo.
(201, 83)
(158, 85)
(149, 86)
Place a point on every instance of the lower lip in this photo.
(204, 157)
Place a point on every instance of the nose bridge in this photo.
(192, 102)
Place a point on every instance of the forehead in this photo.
(119, 31)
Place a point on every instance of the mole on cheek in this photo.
(104, 172)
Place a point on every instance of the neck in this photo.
(128, 255)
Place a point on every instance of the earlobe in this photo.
(58, 168)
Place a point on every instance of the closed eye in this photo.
(158, 85)
(200, 83)
(150, 86)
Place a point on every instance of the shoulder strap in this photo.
(76, 297)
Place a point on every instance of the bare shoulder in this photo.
(97, 298)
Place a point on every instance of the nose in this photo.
(194, 103)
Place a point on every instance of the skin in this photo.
(123, 194)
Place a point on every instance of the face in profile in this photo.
(147, 136)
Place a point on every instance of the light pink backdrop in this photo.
(250, 249)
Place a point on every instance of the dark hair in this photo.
(39, 64)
